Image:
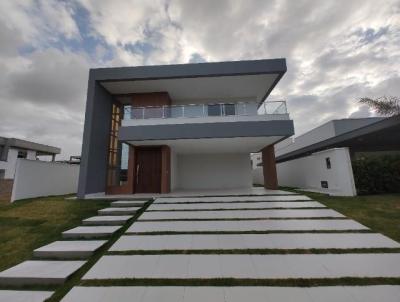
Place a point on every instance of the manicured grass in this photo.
(28, 224)
(381, 213)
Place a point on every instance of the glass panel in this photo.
(214, 110)
(176, 111)
(153, 112)
(194, 110)
(241, 108)
(229, 109)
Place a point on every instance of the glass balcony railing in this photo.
(205, 110)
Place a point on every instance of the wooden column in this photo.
(131, 171)
(269, 168)
(165, 169)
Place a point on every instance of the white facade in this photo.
(213, 171)
(9, 165)
(312, 173)
(34, 178)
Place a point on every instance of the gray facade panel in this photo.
(207, 130)
(93, 170)
(191, 70)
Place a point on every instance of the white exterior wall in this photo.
(213, 171)
(308, 172)
(258, 176)
(9, 165)
(35, 178)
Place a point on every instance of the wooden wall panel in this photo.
(165, 169)
(269, 168)
(150, 99)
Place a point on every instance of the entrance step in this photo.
(119, 211)
(373, 293)
(91, 232)
(38, 272)
(128, 203)
(24, 295)
(69, 249)
(245, 266)
(106, 220)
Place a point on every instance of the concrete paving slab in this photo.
(253, 241)
(107, 220)
(230, 199)
(69, 249)
(235, 205)
(279, 266)
(245, 225)
(36, 272)
(387, 293)
(241, 214)
(91, 232)
(24, 295)
(119, 211)
(128, 203)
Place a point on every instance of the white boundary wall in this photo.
(34, 178)
(308, 172)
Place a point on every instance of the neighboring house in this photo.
(320, 160)
(157, 129)
(11, 149)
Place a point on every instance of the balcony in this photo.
(212, 120)
(211, 112)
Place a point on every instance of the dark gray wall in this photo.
(93, 170)
(207, 130)
(346, 125)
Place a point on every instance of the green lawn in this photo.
(29, 224)
(381, 213)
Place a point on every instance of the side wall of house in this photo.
(311, 173)
(213, 171)
(93, 173)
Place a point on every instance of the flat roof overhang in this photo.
(23, 144)
(254, 79)
(383, 135)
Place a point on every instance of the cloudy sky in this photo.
(336, 52)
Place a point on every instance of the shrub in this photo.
(377, 174)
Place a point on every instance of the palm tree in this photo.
(385, 105)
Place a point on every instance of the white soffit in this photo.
(213, 145)
(223, 87)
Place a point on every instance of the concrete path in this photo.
(128, 203)
(252, 241)
(91, 232)
(245, 225)
(242, 214)
(234, 205)
(378, 293)
(69, 249)
(231, 199)
(119, 211)
(308, 266)
(36, 272)
(106, 220)
(24, 295)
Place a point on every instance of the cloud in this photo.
(336, 53)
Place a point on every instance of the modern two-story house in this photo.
(186, 127)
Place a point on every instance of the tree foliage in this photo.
(385, 105)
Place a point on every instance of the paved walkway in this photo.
(206, 239)
(215, 241)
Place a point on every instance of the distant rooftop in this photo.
(28, 145)
(374, 134)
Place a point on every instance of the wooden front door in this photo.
(148, 170)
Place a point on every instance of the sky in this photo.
(336, 52)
